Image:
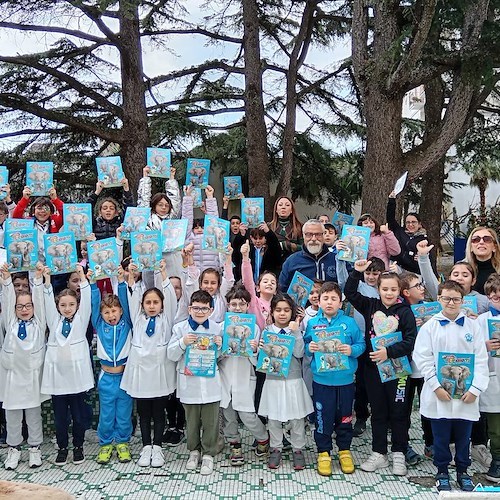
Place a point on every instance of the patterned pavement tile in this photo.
(115, 481)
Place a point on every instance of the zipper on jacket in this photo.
(114, 346)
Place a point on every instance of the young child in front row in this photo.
(21, 365)
(489, 402)
(451, 332)
(286, 399)
(200, 395)
(111, 319)
(388, 400)
(333, 391)
(238, 388)
(67, 371)
(150, 375)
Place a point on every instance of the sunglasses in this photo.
(486, 239)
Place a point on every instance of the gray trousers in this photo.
(297, 434)
(250, 420)
(202, 417)
(14, 419)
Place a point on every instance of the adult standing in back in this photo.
(408, 236)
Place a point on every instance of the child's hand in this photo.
(261, 344)
(469, 398)
(442, 394)
(384, 228)
(470, 314)
(218, 341)
(345, 349)
(340, 245)
(52, 193)
(99, 187)
(39, 270)
(125, 185)
(188, 190)
(229, 251)
(254, 345)
(6, 188)
(119, 231)
(300, 314)
(91, 237)
(80, 272)
(4, 269)
(313, 346)
(362, 265)
(145, 171)
(189, 339)
(245, 250)
(294, 326)
(423, 247)
(173, 170)
(243, 229)
(26, 193)
(188, 249)
(163, 266)
(264, 227)
(121, 274)
(379, 356)
(225, 201)
(493, 345)
(393, 267)
(209, 192)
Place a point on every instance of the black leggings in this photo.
(152, 408)
(176, 416)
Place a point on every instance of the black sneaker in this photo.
(359, 427)
(78, 456)
(175, 439)
(62, 456)
(167, 436)
(493, 473)
(465, 481)
(443, 482)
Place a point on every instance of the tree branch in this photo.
(193, 31)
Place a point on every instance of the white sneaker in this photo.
(13, 457)
(207, 465)
(157, 458)
(399, 464)
(193, 460)
(35, 457)
(481, 454)
(145, 456)
(374, 462)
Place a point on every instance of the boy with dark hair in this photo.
(412, 288)
(450, 331)
(200, 396)
(333, 391)
(330, 236)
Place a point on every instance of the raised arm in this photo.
(173, 192)
(358, 301)
(391, 214)
(144, 189)
(8, 296)
(85, 308)
(424, 263)
(38, 300)
(187, 208)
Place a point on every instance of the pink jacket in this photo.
(260, 307)
(383, 246)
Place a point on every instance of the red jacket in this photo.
(56, 220)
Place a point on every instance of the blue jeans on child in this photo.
(442, 430)
(115, 410)
(333, 407)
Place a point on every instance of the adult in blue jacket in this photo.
(315, 260)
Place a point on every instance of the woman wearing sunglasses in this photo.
(483, 254)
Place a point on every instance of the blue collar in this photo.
(194, 326)
(493, 311)
(458, 321)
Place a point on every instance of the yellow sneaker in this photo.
(346, 462)
(324, 464)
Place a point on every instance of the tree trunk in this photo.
(431, 204)
(135, 131)
(383, 159)
(257, 157)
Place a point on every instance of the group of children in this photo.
(143, 331)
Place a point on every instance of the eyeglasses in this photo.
(197, 309)
(241, 303)
(21, 307)
(420, 284)
(447, 300)
(486, 239)
(494, 299)
(310, 235)
(42, 208)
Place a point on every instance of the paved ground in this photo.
(252, 481)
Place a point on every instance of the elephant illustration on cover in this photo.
(457, 374)
(21, 251)
(77, 224)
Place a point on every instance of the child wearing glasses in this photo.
(238, 387)
(388, 400)
(462, 272)
(21, 365)
(489, 402)
(150, 375)
(200, 395)
(452, 385)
